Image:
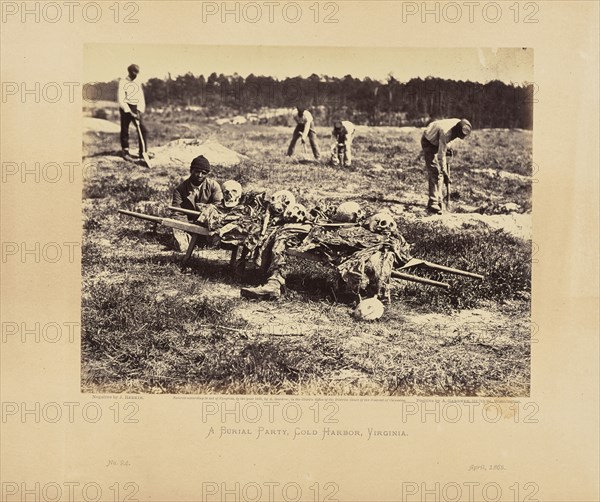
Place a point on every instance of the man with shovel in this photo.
(131, 107)
(304, 130)
(434, 142)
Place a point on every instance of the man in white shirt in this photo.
(304, 130)
(343, 132)
(434, 142)
(131, 106)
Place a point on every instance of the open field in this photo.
(149, 328)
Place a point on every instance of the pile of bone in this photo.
(283, 204)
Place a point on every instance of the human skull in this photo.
(348, 212)
(382, 223)
(232, 191)
(369, 310)
(280, 200)
(295, 213)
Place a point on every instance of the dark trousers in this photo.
(312, 138)
(434, 172)
(126, 119)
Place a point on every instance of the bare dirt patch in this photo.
(494, 173)
(91, 124)
(517, 225)
(181, 152)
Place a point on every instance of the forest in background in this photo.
(494, 104)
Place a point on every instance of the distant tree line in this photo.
(366, 101)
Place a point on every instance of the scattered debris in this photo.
(498, 208)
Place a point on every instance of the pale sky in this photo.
(105, 62)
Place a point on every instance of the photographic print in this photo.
(307, 220)
(299, 251)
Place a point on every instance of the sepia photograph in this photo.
(299, 251)
(307, 220)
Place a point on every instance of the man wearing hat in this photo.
(305, 129)
(131, 107)
(434, 142)
(197, 189)
(343, 132)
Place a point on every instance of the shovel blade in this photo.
(146, 158)
(144, 152)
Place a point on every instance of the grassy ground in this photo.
(149, 328)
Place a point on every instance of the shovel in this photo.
(449, 155)
(447, 198)
(144, 152)
(304, 151)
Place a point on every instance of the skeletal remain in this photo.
(369, 309)
(295, 213)
(348, 212)
(382, 223)
(280, 200)
(232, 192)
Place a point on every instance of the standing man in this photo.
(343, 132)
(434, 142)
(197, 189)
(131, 107)
(304, 130)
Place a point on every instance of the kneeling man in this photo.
(197, 189)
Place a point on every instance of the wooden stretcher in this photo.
(196, 231)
